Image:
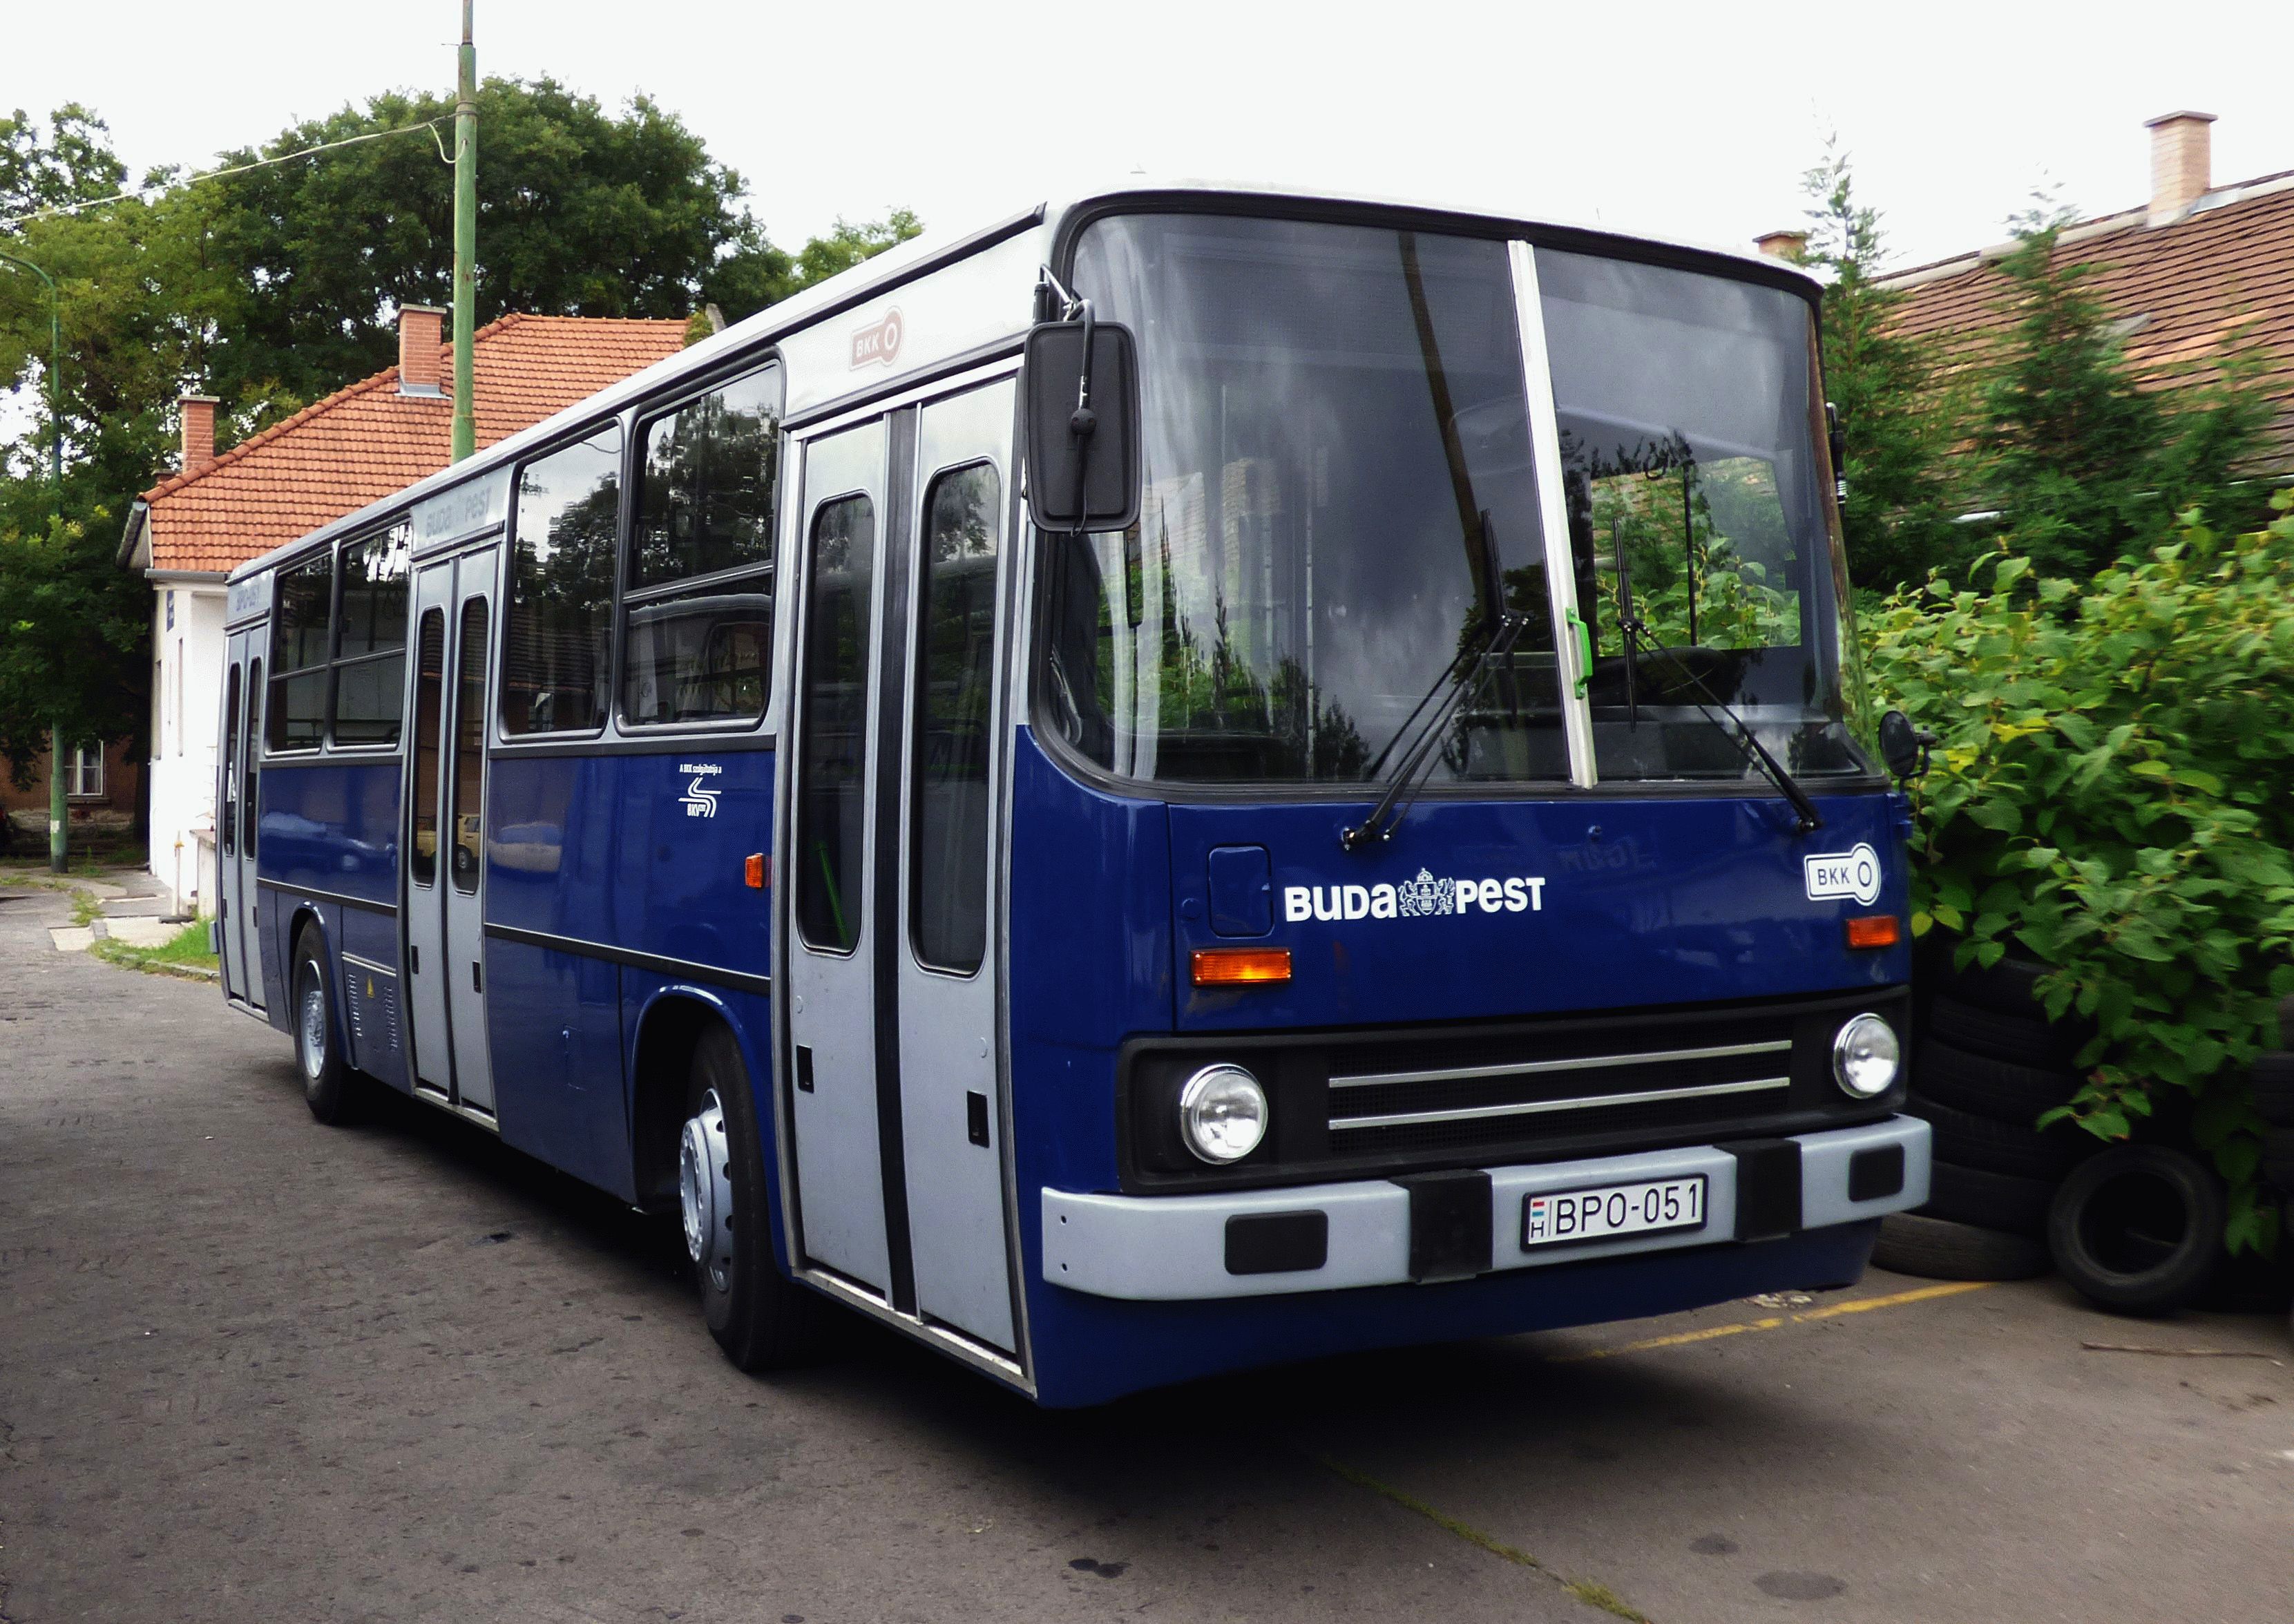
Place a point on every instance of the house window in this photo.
(83, 773)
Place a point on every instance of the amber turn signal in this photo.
(1241, 966)
(1875, 930)
(754, 872)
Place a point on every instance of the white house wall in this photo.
(189, 671)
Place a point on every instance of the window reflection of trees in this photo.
(558, 645)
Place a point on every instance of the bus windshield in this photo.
(1340, 498)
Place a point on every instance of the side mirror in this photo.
(1083, 426)
(1904, 747)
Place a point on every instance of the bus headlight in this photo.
(1865, 1058)
(1223, 1114)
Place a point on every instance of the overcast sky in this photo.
(1685, 120)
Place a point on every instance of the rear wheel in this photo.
(762, 1319)
(326, 1079)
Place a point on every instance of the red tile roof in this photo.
(2216, 282)
(361, 444)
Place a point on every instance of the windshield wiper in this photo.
(1497, 638)
(1806, 817)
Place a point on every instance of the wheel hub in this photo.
(313, 1029)
(704, 1191)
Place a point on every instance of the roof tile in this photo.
(365, 441)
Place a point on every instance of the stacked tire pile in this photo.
(1986, 1063)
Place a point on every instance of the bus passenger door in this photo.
(836, 1108)
(234, 816)
(445, 833)
(466, 804)
(425, 809)
(951, 771)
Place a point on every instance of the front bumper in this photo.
(1175, 1248)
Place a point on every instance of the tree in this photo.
(2078, 457)
(1886, 385)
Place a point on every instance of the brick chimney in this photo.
(2181, 163)
(198, 412)
(1782, 245)
(420, 336)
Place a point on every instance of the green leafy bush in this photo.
(2114, 792)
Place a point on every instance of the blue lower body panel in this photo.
(1089, 1350)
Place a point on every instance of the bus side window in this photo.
(249, 803)
(429, 673)
(559, 628)
(832, 808)
(371, 647)
(956, 681)
(698, 594)
(299, 654)
(471, 749)
(227, 821)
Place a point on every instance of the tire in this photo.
(1989, 1200)
(762, 1319)
(2138, 1230)
(2006, 988)
(328, 1083)
(1990, 1146)
(1982, 1086)
(2272, 1077)
(1939, 1249)
(2028, 1039)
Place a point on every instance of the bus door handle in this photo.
(477, 980)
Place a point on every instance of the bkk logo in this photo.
(699, 801)
(1423, 898)
(1854, 874)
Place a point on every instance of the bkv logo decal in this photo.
(696, 800)
(1835, 879)
(1423, 898)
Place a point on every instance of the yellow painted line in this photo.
(1951, 1289)
(1860, 1305)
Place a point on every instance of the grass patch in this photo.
(186, 951)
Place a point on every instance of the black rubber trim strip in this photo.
(891, 734)
(290, 887)
(659, 963)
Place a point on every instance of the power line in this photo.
(61, 209)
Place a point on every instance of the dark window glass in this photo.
(471, 747)
(305, 597)
(250, 807)
(429, 674)
(374, 595)
(705, 502)
(298, 640)
(832, 809)
(558, 642)
(699, 656)
(705, 508)
(956, 682)
(227, 826)
(1699, 505)
(1337, 481)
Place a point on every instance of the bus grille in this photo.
(1471, 1100)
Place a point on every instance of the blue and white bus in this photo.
(1196, 778)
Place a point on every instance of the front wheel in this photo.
(762, 1319)
(317, 1055)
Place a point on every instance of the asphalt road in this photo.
(252, 1368)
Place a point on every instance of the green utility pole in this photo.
(465, 239)
(59, 809)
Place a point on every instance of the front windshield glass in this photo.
(1337, 482)
(1699, 508)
